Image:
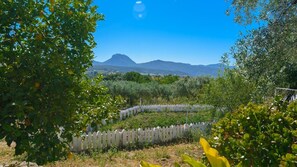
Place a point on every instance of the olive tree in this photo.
(267, 54)
(45, 49)
(249, 11)
(228, 92)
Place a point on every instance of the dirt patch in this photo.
(162, 155)
(6, 153)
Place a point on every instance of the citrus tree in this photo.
(45, 49)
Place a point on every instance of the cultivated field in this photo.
(162, 119)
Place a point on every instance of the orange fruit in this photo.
(37, 85)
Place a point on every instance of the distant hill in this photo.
(122, 63)
(191, 70)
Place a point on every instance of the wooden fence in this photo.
(102, 140)
(174, 108)
(288, 94)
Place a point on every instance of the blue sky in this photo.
(188, 31)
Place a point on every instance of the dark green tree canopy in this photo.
(136, 77)
(45, 49)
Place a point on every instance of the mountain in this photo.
(120, 60)
(191, 70)
(122, 63)
(96, 63)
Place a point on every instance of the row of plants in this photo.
(139, 78)
(183, 90)
(162, 119)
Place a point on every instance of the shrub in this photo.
(258, 135)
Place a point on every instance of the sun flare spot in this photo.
(139, 10)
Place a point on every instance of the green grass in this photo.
(162, 119)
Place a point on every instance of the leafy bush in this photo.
(258, 135)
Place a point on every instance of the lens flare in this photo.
(139, 10)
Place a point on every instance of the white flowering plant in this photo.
(259, 135)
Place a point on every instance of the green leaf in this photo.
(176, 164)
(146, 164)
(193, 163)
(239, 165)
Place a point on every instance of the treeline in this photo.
(139, 78)
(133, 87)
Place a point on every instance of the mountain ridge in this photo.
(123, 63)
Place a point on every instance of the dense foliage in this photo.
(259, 135)
(45, 49)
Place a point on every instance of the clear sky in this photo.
(188, 31)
